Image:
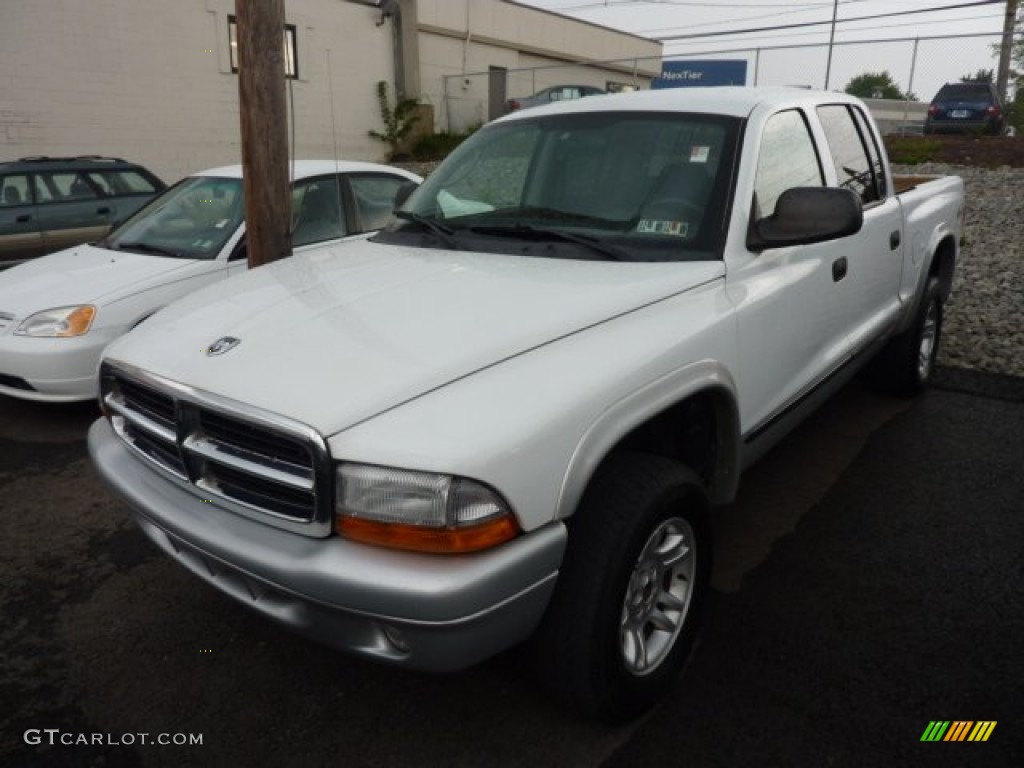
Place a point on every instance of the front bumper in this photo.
(428, 612)
(52, 370)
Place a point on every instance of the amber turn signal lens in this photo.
(78, 322)
(415, 538)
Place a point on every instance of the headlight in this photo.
(419, 511)
(62, 322)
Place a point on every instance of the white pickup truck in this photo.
(511, 414)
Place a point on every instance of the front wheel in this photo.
(630, 590)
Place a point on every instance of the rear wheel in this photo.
(906, 366)
(631, 588)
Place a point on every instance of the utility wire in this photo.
(680, 3)
(700, 35)
(745, 19)
(858, 29)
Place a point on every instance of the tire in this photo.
(907, 365)
(631, 588)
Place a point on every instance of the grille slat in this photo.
(252, 438)
(162, 453)
(141, 419)
(244, 460)
(290, 502)
(276, 474)
(155, 405)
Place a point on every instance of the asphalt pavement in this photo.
(869, 581)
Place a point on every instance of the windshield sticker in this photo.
(654, 227)
(699, 154)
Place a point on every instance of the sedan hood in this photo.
(337, 336)
(84, 274)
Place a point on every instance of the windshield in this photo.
(629, 186)
(191, 220)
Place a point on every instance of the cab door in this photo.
(875, 260)
(790, 302)
(19, 223)
(71, 208)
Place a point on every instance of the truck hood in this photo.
(84, 274)
(334, 337)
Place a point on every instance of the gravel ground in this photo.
(984, 323)
(984, 329)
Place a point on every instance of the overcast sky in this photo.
(937, 61)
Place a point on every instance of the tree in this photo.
(876, 85)
(980, 76)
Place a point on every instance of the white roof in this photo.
(733, 100)
(306, 168)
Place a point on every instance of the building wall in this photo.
(461, 39)
(150, 80)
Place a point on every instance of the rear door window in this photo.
(64, 187)
(855, 168)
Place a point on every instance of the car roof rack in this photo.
(48, 159)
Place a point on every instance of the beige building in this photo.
(153, 81)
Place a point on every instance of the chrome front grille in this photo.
(255, 463)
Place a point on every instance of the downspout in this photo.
(405, 27)
(465, 43)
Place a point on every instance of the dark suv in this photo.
(965, 108)
(50, 203)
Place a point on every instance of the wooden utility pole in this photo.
(1006, 48)
(263, 113)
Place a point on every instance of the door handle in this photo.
(894, 240)
(104, 210)
(839, 267)
(23, 218)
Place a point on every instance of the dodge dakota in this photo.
(511, 414)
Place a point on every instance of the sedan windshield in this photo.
(191, 220)
(623, 186)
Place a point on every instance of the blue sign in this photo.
(696, 74)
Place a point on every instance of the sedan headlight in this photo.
(60, 322)
(419, 511)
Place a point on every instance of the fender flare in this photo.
(623, 416)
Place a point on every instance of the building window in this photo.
(291, 68)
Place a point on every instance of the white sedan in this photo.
(58, 312)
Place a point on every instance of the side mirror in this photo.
(805, 215)
(403, 192)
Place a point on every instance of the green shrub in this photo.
(438, 146)
(912, 150)
(398, 120)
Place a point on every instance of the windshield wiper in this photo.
(555, 214)
(518, 230)
(445, 233)
(147, 248)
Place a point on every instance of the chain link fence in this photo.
(918, 66)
